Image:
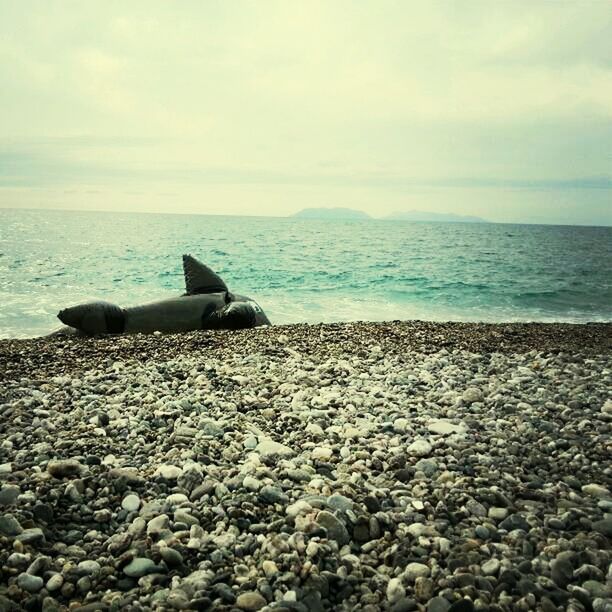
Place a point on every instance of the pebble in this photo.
(30, 583)
(221, 469)
(9, 494)
(419, 448)
(335, 528)
(9, 525)
(270, 448)
(395, 590)
(250, 600)
(140, 566)
(490, 567)
(416, 570)
(446, 428)
(472, 395)
(595, 490)
(131, 502)
(65, 468)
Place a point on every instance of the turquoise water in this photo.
(305, 270)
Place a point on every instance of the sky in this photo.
(497, 109)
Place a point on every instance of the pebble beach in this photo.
(361, 466)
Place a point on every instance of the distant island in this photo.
(331, 213)
(411, 215)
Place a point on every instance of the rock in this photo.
(595, 490)
(419, 448)
(463, 605)
(30, 583)
(321, 453)
(168, 472)
(604, 527)
(498, 514)
(299, 507)
(172, 557)
(54, 583)
(251, 600)
(428, 466)
(476, 508)
(9, 525)
(395, 590)
(405, 604)
(335, 528)
(416, 570)
(212, 428)
(33, 536)
(270, 569)
(340, 502)
(272, 495)
(561, 572)
(131, 502)
(140, 566)
(490, 567)
(400, 425)
(88, 568)
(9, 494)
(514, 521)
(446, 428)
(269, 448)
(472, 395)
(252, 484)
(158, 524)
(438, 604)
(65, 468)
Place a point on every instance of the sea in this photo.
(304, 270)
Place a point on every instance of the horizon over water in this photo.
(304, 270)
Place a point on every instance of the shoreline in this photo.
(423, 336)
(436, 467)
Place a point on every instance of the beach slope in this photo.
(359, 466)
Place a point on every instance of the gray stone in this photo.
(32, 536)
(65, 468)
(140, 566)
(419, 448)
(416, 570)
(446, 428)
(88, 568)
(335, 528)
(472, 395)
(9, 525)
(428, 466)
(172, 557)
(438, 604)
(561, 571)
(604, 526)
(131, 502)
(9, 494)
(514, 521)
(251, 600)
(30, 583)
(54, 583)
(270, 448)
(340, 502)
(272, 495)
(490, 567)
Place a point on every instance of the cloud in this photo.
(387, 96)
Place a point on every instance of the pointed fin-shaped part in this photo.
(200, 278)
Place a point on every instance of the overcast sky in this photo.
(497, 109)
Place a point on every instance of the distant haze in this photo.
(500, 110)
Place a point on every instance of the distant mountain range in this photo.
(411, 215)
